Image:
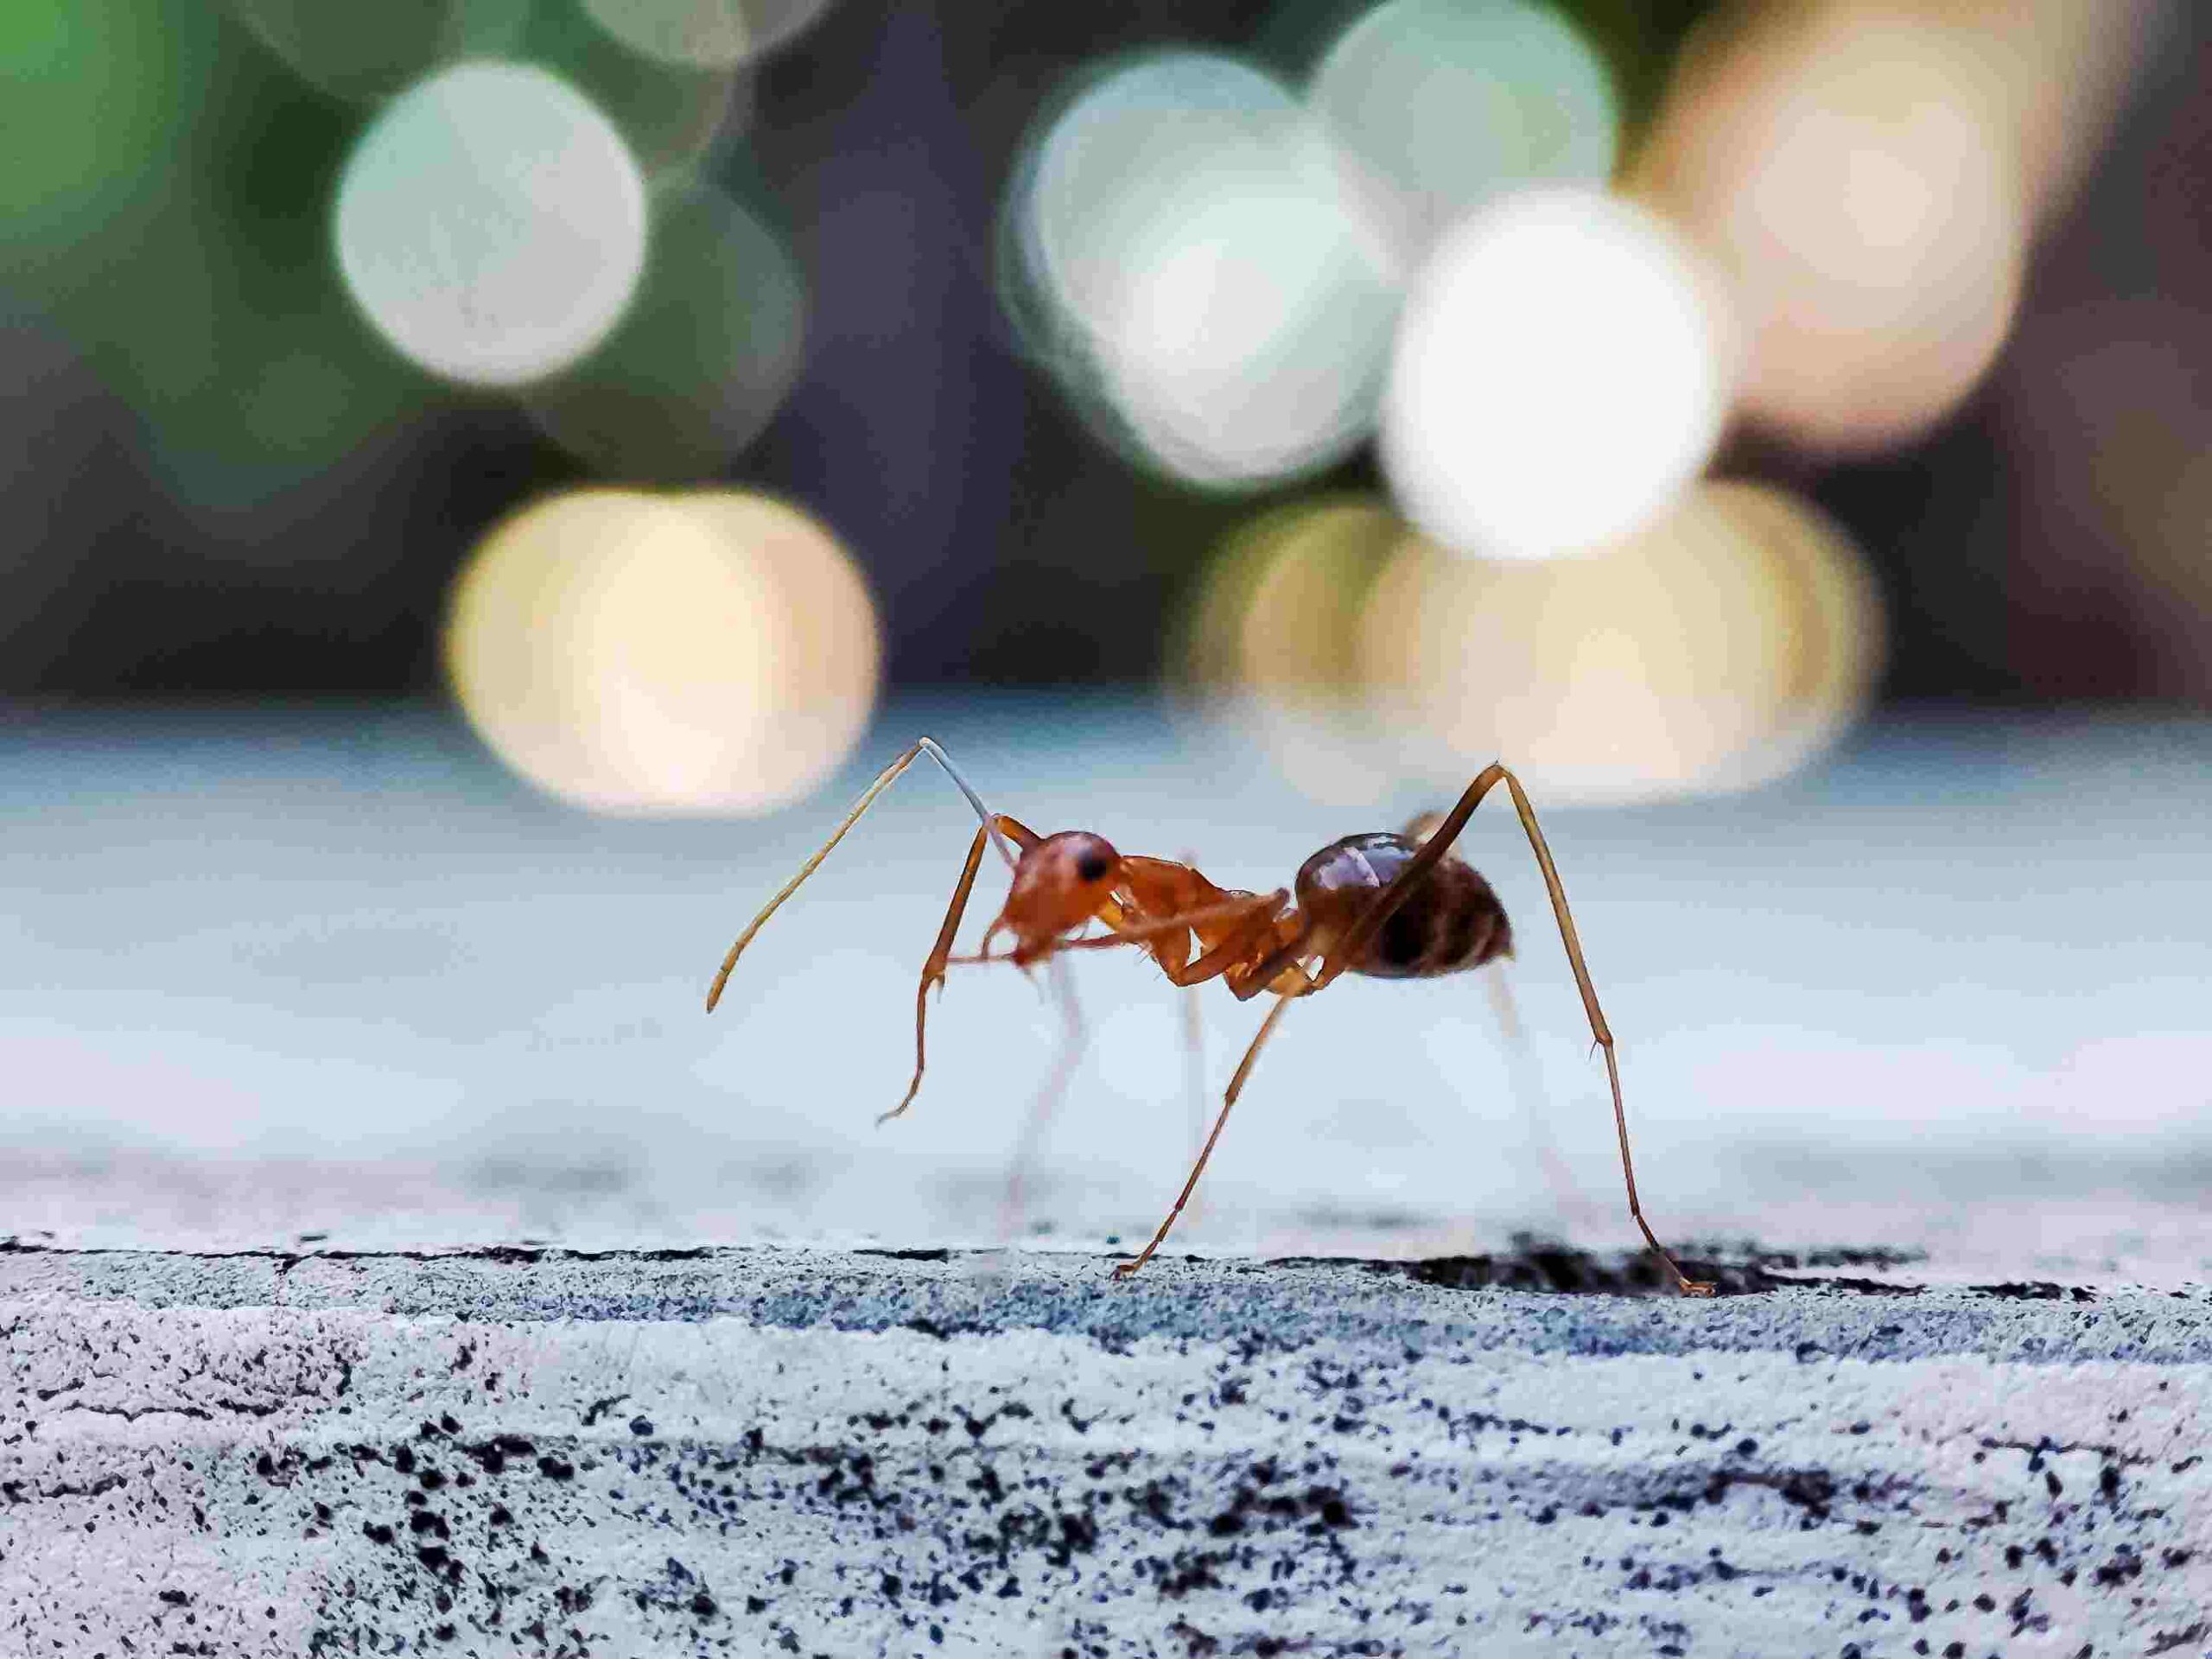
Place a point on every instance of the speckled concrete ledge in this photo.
(758, 1450)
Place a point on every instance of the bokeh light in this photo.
(1270, 646)
(357, 52)
(714, 652)
(706, 33)
(1177, 248)
(2122, 525)
(710, 348)
(1829, 606)
(669, 113)
(1437, 105)
(91, 115)
(1562, 370)
(1722, 644)
(2064, 67)
(163, 211)
(491, 224)
(1859, 174)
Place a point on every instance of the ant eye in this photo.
(1091, 866)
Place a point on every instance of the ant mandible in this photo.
(1390, 906)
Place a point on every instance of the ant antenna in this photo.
(929, 746)
(884, 781)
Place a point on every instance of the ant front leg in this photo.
(941, 952)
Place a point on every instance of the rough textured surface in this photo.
(754, 1451)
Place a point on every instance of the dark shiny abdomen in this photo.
(1452, 922)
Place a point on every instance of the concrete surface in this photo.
(756, 1451)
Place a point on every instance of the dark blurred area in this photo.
(218, 481)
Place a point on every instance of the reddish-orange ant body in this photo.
(1391, 906)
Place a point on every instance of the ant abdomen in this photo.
(1452, 921)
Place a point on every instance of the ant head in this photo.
(1058, 886)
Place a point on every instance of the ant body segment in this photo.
(1388, 907)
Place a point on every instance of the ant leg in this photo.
(1194, 1062)
(1047, 1104)
(1194, 1047)
(1193, 1020)
(1218, 961)
(1528, 1088)
(1136, 933)
(1235, 1087)
(1000, 827)
(1349, 949)
(1238, 944)
(933, 968)
(1284, 959)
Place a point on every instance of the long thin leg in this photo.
(1194, 1048)
(1235, 946)
(1245, 984)
(1055, 1086)
(1235, 1087)
(1075, 1036)
(1136, 933)
(1528, 1088)
(1349, 949)
(1000, 826)
(999, 830)
(933, 968)
(1194, 1062)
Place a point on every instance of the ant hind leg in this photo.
(1350, 949)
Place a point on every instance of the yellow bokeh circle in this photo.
(709, 652)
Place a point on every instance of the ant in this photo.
(1390, 906)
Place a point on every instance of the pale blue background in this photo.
(334, 971)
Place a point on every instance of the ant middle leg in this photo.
(1270, 971)
(1132, 927)
(1125, 1269)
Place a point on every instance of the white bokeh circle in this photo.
(1182, 255)
(491, 224)
(1437, 105)
(1562, 371)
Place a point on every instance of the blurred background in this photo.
(485, 478)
